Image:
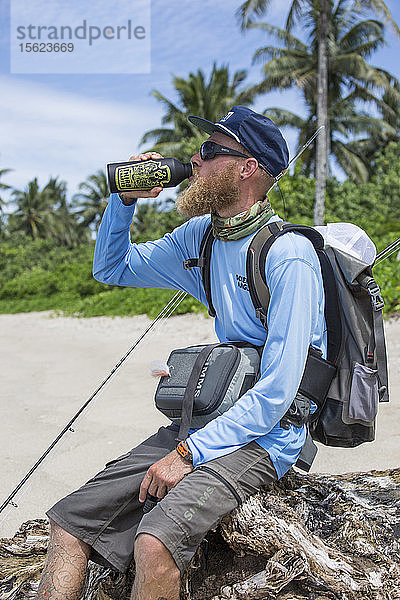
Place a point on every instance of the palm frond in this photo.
(295, 13)
(284, 118)
(362, 32)
(380, 8)
(350, 162)
(251, 8)
(279, 34)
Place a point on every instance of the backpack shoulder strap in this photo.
(255, 271)
(256, 281)
(204, 263)
(257, 254)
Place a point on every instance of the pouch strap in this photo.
(377, 341)
(315, 383)
(188, 399)
(381, 357)
(204, 263)
(307, 454)
(381, 360)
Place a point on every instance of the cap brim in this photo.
(210, 127)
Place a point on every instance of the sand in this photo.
(50, 365)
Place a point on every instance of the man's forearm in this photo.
(113, 240)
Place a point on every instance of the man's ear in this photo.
(248, 167)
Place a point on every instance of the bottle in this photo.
(139, 175)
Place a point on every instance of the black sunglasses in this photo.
(209, 149)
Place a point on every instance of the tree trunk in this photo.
(319, 537)
(321, 159)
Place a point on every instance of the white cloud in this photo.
(47, 132)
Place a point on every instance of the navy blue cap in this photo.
(258, 134)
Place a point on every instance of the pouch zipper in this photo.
(224, 481)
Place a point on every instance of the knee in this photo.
(61, 538)
(151, 555)
(56, 531)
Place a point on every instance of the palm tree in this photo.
(333, 60)
(3, 186)
(344, 121)
(370, 147)
(210, 99)
(33, 215)
(92, 198)
(64, 225)
(44, 213)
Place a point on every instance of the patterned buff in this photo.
(242, 225)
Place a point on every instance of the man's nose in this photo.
(196, 159)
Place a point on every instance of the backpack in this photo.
(349, 383)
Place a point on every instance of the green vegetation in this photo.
(40, 274)
(374, 206)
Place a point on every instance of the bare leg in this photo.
(65, 570)
(157, 576)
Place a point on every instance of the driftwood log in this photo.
(313, 537)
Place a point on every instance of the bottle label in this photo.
(142, 176)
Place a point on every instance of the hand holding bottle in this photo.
(129, 197)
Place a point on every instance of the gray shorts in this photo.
(106, 512)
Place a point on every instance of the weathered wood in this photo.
(312, 536)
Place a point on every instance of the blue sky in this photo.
(71, 125)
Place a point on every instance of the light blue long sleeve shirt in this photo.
(295, 320)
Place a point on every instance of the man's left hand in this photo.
(164, 475)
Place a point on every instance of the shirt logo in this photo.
(242, 282)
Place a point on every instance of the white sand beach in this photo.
(50, 365)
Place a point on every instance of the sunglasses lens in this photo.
(207, 150)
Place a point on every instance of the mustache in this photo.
(209, 194)
(195, 173)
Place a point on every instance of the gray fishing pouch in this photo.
(205, 382)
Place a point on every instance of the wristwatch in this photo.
(184, 452)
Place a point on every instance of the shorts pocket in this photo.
(223, 480)
(364, 396)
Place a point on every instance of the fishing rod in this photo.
(388, 251)
(164, 314)
(300, 152)
(292, 160)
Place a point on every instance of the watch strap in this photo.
(184, 452)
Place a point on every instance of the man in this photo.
(219, 466)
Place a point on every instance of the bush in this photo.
(132, 301)
(38, 275)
